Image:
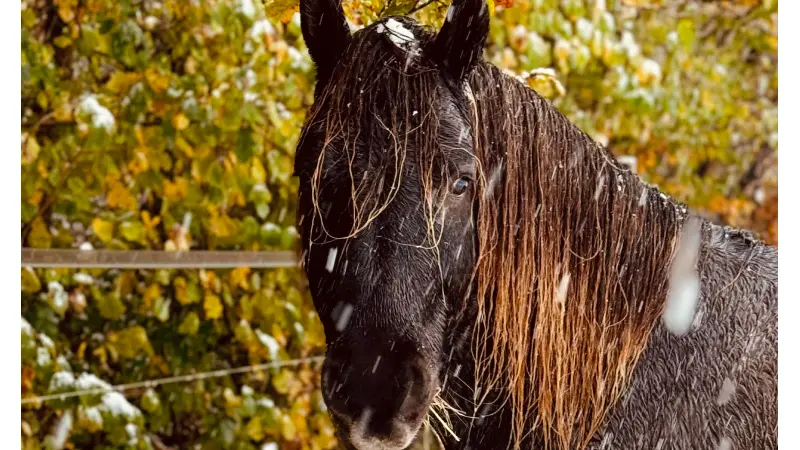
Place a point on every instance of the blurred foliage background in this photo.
(171, 125)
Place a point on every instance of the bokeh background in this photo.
(171, 125)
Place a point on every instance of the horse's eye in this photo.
(461, 185)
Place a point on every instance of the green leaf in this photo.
(212, 306)
(277, 9)
(103, 229)
(245, 145)
(133, 232)
(109, 304)
(262, 210)
(254, 429)
(150, 401)
(190, 324)
(252, 115)
(39, 236)
(162, 309)
(131, 342)
(62, 41)
(30, 282)
(686, 33)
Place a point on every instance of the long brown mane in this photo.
(574, 251)
(575, 257)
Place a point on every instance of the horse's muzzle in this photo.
(377, 403)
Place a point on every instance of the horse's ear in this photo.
(459, 44)
(325, 31)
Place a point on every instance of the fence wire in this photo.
(173, 379)
(155, 259)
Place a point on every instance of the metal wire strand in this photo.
(174, 379)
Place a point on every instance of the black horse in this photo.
(479, 262)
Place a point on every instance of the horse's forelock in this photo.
(377, 107)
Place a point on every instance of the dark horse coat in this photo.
(480, 263)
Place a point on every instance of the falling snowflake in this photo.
(643, 197)
(726, 392)
(331, 259)
(563, 285)
(343, 316)
(684, 283)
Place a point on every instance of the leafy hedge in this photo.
(171, 125)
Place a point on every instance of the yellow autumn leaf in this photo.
(222, 226)
(176, 190)
(229, 162)
(30, 282)
(158, 81)
(138, 164)
(286, 16)
(122, 81)
(41, 168)
(212, 306)
(258, 172)
(180, 121)
(39, 236)
(66, 10)
(81, 353)
(239, 277)
(237, 199)
(184, 146)
(254, 429)
(36, 198)
(149, 222)
(130, 342)
(30, 149)
(190, 324)
(103, 229)
(179, 285)
(119, 197)
(207, 279)
(152, 292)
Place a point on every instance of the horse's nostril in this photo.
(417, 395)
(377, 393)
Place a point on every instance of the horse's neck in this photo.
(723, 369)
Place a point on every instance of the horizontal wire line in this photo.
(156, 259)
(174, 379)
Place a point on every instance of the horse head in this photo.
(388, 182)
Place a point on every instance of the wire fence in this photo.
(155, 259)
(173, 379)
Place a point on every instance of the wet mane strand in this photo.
(574, 261)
